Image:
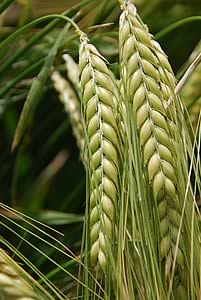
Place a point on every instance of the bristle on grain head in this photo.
(147, 79)
(99, 96)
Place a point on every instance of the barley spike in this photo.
(145, 84)
(191, 92)
(99, 105)
(12, 285)
(73, 71)
(72, 106)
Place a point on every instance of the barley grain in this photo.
(99, 105)
(147, 78)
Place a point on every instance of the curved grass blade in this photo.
(21, 76)
(5, 4)
(51, 217)
(176, 25)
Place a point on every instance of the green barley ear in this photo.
(191, 92)
(99, 97)
(143, 89)
(72, 106)
(13, 286)
(73, 71)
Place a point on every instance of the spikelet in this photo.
(73, 71)
(99, 105)
(191, 92)
(141, 76)
(72, 106)
(12, 285)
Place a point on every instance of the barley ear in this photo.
(72, 106)
(141, 77)
(12, 284)
(99, 99)
(73, 71)
(191, 91)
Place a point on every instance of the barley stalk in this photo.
(99, 105)
(72, 106)
(142, 71)
(12, 284)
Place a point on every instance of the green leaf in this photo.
(51, 217)
(36, 90)
(5, 4)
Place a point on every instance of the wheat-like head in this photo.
(99, 104)
(73, 71)
(12, 285)
(191, 91)
(146, 87)
(72, 106)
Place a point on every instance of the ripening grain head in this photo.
(72, 106)
(99, 94)
(147, 78)
(12, 284)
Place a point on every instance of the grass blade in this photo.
(36, 90)
(5, 4)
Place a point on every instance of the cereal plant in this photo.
(100, 154)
